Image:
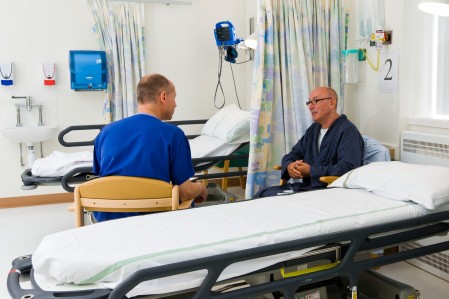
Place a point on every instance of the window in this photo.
(442, 68)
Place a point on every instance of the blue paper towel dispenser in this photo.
(88, 70)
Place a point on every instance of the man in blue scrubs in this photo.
(331, 146)
(143, 145)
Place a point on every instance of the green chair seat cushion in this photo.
(240, 162)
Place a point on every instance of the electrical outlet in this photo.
(388, 41)
(389, 35)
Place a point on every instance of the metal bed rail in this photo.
(63, 134)
(357, 240)
(81, 174)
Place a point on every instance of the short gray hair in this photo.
(151, 86)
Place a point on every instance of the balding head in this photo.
(328, 92)
(323, 105)
(151, 86)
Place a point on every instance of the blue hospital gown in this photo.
(341, 150)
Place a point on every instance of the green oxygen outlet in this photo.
(362, 54)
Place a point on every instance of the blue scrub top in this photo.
(142, 146)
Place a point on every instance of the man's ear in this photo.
(162, 96)
(334, 102)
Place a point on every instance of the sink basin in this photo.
(30, 134)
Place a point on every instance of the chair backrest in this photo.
(124, 194)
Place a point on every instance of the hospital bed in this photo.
(206, 152)
(376, 206)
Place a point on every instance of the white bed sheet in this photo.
(209, 146)
(58, 163)
(104, 254)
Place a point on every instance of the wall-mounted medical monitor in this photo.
(88, 70)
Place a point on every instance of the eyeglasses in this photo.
(314, 101)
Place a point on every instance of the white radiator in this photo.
(433, 149)
(424, 148)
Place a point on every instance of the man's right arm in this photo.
(189, 190)
(290, 158)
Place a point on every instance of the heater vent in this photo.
(436, 263)
(424, 148)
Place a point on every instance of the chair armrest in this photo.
(185, 204)
(282, 181)
(324, 179)
(328, 179)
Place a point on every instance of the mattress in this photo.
(104, 254)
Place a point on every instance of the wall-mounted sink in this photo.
(29, 134)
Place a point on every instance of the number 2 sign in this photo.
(389, 71)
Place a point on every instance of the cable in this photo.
(369, 61)
(235, 87)
(220, 64)
(220, 67)
(244, 61)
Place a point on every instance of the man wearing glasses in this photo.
(331, 146)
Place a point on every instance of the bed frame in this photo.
(348, 269)
(83, 174)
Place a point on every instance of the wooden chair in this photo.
(237, 163)
(126, 194)
(224, 181)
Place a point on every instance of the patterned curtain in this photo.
(299, 46)
(120, 29)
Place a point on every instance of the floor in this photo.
(429, 285)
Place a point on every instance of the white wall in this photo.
(374, 112)
(43, 31)
(193, 55)
(384, 115)
(179, 43)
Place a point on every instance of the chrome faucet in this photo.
(18, 123)
(40, 123)
(28, 105)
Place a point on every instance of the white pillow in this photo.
(212, 123)
(426, 185)
(230, 124)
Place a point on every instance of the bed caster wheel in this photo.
(24, 257)
(28, 187)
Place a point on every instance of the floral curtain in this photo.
(120, 30)
(299, 46)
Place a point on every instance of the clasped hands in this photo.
(298, 169)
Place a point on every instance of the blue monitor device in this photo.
(225, 34)
(88, 70)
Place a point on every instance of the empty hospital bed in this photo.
(379, 205)
(226, 132)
